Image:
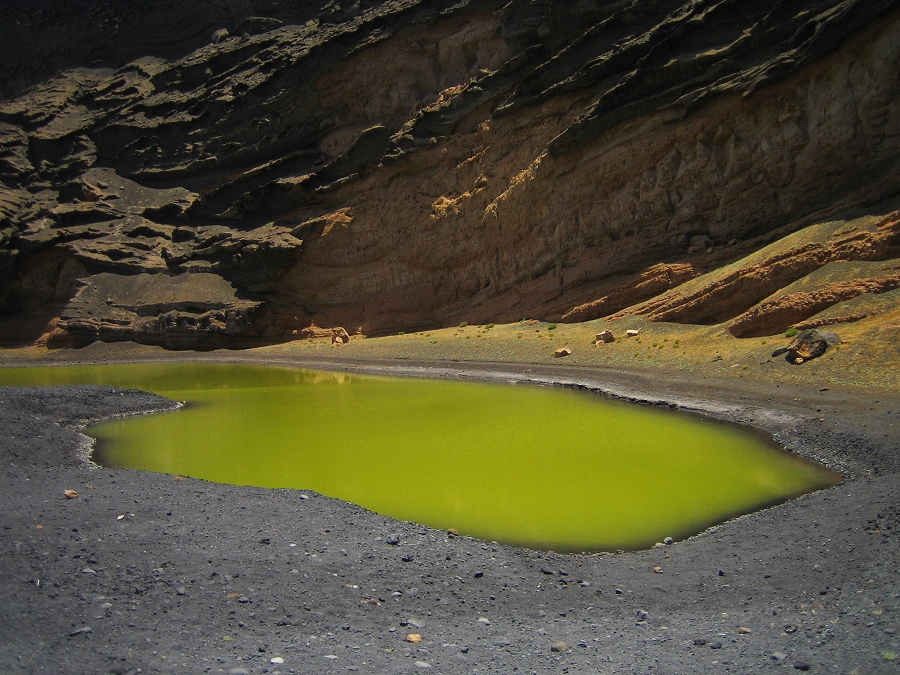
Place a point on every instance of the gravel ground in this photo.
(151, 573)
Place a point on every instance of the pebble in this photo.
(716, 645)
(393, 539)
(84, 630)
(407, 558)
(743, 630)
(801, 665)
(778, 656)
(180, 590)
(243, 599)
(422, 664)
(641, 614)
(413, 637)
(668, 541)
(277, 660)
(699, 642)
(478, 575)
(559, 646)
(546, 570)
(330, 657)
(721, 573)
(484, 620)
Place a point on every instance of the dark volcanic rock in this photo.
(186, 311)
(416, 162)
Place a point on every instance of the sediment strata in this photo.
(401, 165)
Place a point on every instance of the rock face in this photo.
(185, 311)
(413, 163)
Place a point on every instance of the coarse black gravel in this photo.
(152, 573)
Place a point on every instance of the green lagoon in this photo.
(546, 468)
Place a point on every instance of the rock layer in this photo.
(412, 163)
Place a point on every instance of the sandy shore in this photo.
(145, 573)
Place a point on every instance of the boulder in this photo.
(337, 334)
(605, 336)
(561, 352)
(810, 344)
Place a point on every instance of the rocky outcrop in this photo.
(656, 280)
(738, 294)
(412, 163)
(187, 311)
(776, 315)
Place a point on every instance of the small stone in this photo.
(422, 664)
(478, 574)
(330, 657)
(561, 352)
(699, 642)
(84, 630)
(88, 570)
(180, 590)
(721, 573)
(413, 637)
(559, 646)
(790, 628)
(641, 614)
(485, 621)
(546, 570)
(243, 599)
(407, 558)
(276, 660)
(778, 656)
(668, 541)
(265, 540)
(464, 650)
(70, 494)
(657, 570)
(801, 665)
(453, 532)
(619, 591)
(716, 645)
(743, 630)
(659, 544)
(393, 540)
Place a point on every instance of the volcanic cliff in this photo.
(229, 172)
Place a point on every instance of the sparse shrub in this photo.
(463, 324)
(401, 333)
(790, 332)
(490, 325)
(552, 326)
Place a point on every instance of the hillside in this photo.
(210, 174)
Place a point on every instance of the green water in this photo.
(540, 467)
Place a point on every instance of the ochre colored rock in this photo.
(566, 160)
